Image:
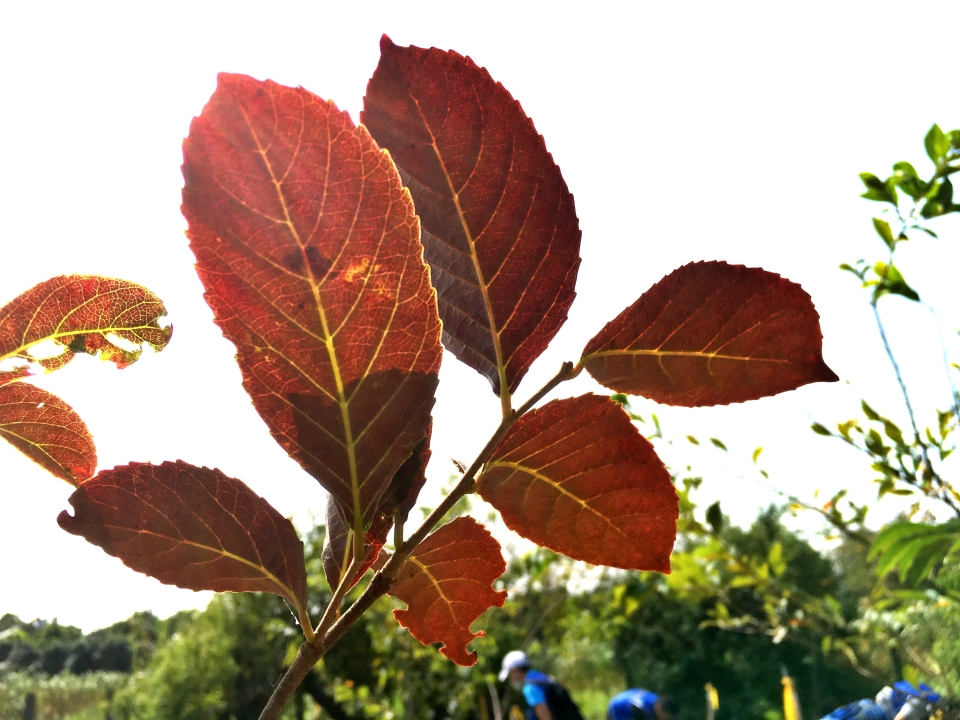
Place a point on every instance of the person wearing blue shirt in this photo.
(545, 697)
(640, 704)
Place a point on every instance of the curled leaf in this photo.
(499, 226)
(82, 313)
(446, 584)
(309, 250)
(399, 497)
(577, 476)
(192, 527)
(47, 430)
(711, 333)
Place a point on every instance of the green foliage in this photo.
(78, 697)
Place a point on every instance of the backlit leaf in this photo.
(47, 430)
(80, 313)
(192, 527)
(337, 551)
(308, 247)
(499, 226)
(711, 333)
(400, 497)
(447, 583)
(577, 476)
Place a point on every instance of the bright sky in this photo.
(686, 131)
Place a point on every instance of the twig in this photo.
(311, 652)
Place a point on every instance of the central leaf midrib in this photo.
(680, 353)
(287, 591)
(562, 490)
(481, 281)
(315, 290)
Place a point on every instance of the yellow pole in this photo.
(791, 707)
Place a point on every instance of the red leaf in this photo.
(711, 333)
(447, 583)
(47, 430)
(79, 313)
(577, 476)
(192, 527)
(499, 227)
(8, 376)
(308, 247)
(337, 551)
(402, 493)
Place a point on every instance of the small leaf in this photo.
(756, 453)
(47, 430)
(719, 444)
(715, 518)
(820, 429)
(892, 282)
(80, 313)
(936, 144)
(886, 234)
(710, 334)
(877, 189)
(577, 476)
(192, 527)
(692, 440)
(500, 230)
(447, 584)
(309, 250)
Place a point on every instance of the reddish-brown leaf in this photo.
(192, 527)
(447, 583)
(80, 313)
(400, 496)
(499, 226)
(337, 551)
(577, 476)
(308, 247)
(47, 430)
(8, 376)
(711, 333)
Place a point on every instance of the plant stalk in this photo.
(311, 652)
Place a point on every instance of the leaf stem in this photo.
(328, 634)
(333, 607)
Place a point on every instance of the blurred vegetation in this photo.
(741, 606)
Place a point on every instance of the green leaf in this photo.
(820, 429)
(693, 440)
(937, 144)
(869, 411)
(893, 432)
(945, 193)
(886, 234)
(756, 453)
(718, 443)
(877, 189)
(892, 282)
(931, 209)
(715, 518)
(778, 565)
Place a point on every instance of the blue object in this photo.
(534, 694)
(860, 710)
(623, 706)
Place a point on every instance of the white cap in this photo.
(511, 661)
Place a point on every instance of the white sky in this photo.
(686, 131)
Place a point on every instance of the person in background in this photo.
(640, 704)
(546, 698)
(902, 701)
